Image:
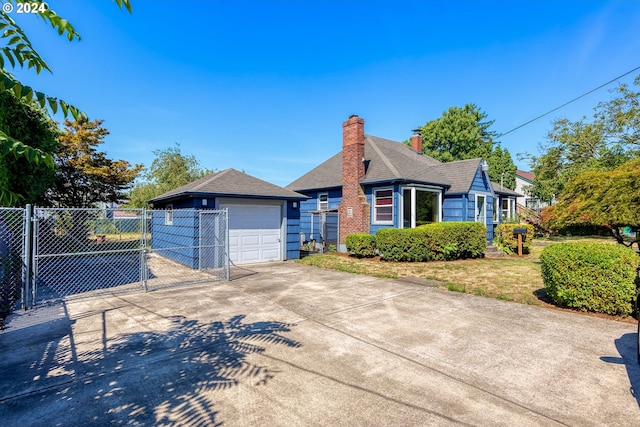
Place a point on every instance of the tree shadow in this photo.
(627, 347)
(144, 378)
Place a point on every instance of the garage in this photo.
(255, 233)
(264, 219)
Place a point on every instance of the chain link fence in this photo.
(52, 254)
(12, 258)
(81, 251)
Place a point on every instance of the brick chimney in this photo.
(354, 209)
(416, 141)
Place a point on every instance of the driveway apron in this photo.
(285, 344)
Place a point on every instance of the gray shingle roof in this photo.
(458, 175)
(231, 182)
(499, 189)
(392, 161)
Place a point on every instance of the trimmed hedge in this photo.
(361, 245)
(592, 277)
(436, 241)
(504, 236)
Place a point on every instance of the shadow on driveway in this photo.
(138, 378)
(627, 347)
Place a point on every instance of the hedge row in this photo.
(361, 244)
(437, 241)
(592, 277)
(505, 238)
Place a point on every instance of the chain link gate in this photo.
(80, 251)
(186, 246)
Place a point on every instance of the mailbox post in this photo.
(521, 233)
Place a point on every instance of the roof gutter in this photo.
(192, 195)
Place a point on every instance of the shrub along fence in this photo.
(592, 277)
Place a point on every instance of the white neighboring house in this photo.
(524, 180)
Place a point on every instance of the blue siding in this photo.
(460, 207)
(471, 208)
(481, 182)
(179, 241)
(293, 232)
(453, 208)
(311, 205)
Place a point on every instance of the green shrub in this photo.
(592, 277)
(436, 241)
(361, 245)
(406, 244)
(506, 240)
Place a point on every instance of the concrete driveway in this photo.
(294, 345)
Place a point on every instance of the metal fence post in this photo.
(226, 245)
(26, 257)
(143, 251)
(200, 214)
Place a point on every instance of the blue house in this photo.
(264, 219)
(376, 183)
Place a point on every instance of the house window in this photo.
(481, 210)
(323, 201)
(419, 206)
(168, 215)
(508, 209)
(495, 210)
(383, 206)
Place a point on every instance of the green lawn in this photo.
(510, 278)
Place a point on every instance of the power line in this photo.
(569, 102)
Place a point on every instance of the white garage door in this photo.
(254, 233)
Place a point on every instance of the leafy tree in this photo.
(84, 175)
(603, 143)
(18, 51)
(169, 170)
(609, 199)
(463, 133)
(29, 123)
(501, 167)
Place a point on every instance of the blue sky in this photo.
(264, 86)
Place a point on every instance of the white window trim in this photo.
(497, 210)
(484, 211)
(375, 211)
(511, 208)
(415, 189)
(319, 202)
(168, 215)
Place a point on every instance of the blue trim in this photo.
(292, 250)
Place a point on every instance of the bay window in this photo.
(420, 206)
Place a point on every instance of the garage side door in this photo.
(254, 233)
